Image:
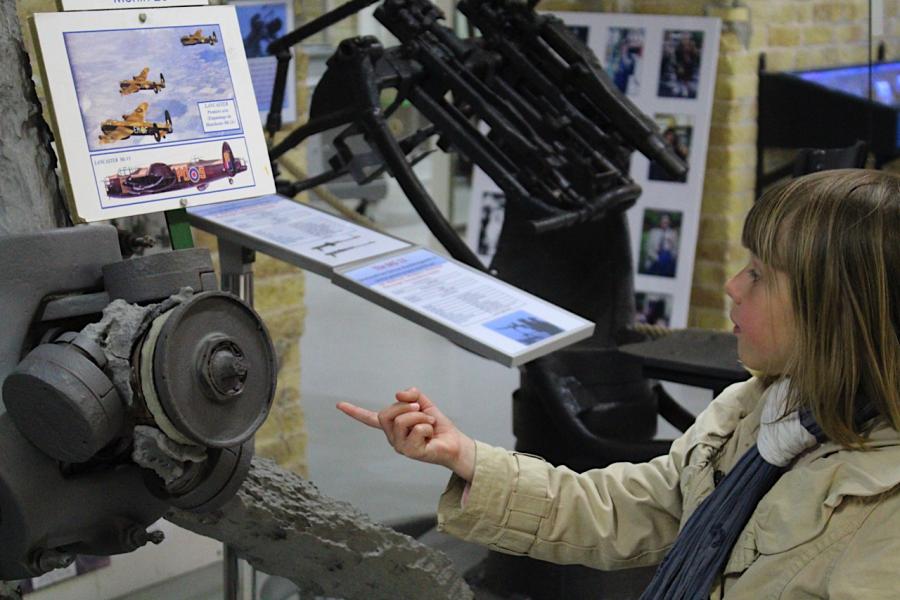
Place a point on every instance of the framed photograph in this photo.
(153, 109)
(624, 54)
(582, 32)
(262, 22)
(679, 67)
(677, 131)
(660, 237)
(653, 308)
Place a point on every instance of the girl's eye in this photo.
(754, 274)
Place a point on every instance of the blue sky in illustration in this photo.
(100, 59)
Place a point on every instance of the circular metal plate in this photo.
(214, 368)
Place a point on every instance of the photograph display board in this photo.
(153, 109)
(666, 65)
(262, 22)
(475, 310)
(295, 233)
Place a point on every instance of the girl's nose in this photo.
(731, 289)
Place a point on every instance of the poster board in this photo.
(261, 23)
(666, 65)
(162, 117)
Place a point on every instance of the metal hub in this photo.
(214, 370)
(223, 368)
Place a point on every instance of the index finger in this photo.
(364, 416)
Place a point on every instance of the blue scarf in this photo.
(702, 547)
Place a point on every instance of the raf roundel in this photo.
(194, 174)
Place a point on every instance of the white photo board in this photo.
(153, 109)
(666, 65)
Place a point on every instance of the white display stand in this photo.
(667, 67)
(470, 308)
(163, 117)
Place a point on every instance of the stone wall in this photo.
(794, 34)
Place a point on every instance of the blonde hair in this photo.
(836, 234)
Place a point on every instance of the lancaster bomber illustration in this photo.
(140, 82)
(161, 177)
(134, 124)
(198, 38)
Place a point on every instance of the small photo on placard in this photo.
(677, 130)
(523, 327)
(660, 236)
(624, 57)
(582, 32)
(653, 308)
(492, 213)
(679, 71)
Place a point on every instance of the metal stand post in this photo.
(236, 265)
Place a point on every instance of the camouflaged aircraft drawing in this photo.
(134, 123)
(198, 38)
(162, 177)
(140, 82)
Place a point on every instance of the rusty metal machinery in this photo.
(129, 387)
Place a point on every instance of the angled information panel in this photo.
(475, 310)
(295, 233)
(472, 309)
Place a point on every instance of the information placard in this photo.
(295, 233)
(475, 310)
(153, 109)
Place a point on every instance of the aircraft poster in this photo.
(153, 110)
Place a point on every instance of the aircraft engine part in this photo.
(80, 443)
(213, 374)
(155, 277)
(62, 402)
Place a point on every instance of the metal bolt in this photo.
(156, 537)
(224, 368)
(183, 202)
(48, 560)
(142, 17)
(137, 537)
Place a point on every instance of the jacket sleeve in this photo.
(624, 515)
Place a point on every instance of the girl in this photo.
(788, 484)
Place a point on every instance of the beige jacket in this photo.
(829, 528)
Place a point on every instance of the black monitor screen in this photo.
(854, 80)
